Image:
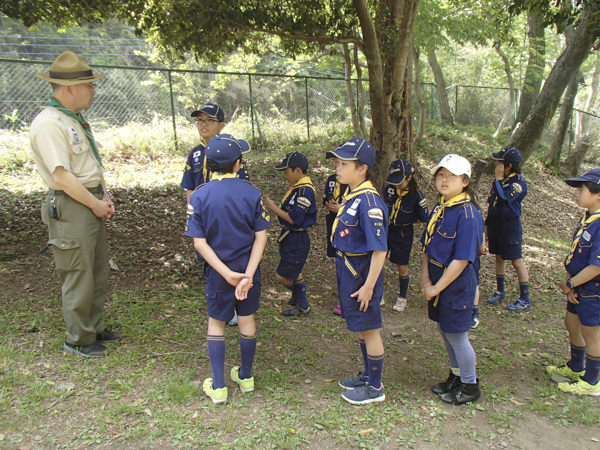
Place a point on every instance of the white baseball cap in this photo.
(456, 164)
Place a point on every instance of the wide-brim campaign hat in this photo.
(225, 149)
(456, 164)
(510, 155)
(68, 69)
(294, 159)
(591, 175)
(399, 170)
(355, 149)
(211, 110)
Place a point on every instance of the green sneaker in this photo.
(216, 395)
(563, 374)
(580, 387)
(247, 384)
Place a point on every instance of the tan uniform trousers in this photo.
(78, 240)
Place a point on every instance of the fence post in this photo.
(251, 105)
(307, 117)
(173, 110)
(456, 104)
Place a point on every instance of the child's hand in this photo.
(364, 295)
(268, 202)
(333, 206)
(499, 171)
(572, 297)
(241, 290)
(430, 292)
(425, 282)
(234, 278)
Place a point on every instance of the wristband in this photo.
(106, 192)
(569, 284)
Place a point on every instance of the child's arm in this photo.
(365, 293)
(277, 210)
(209, 255)
(258, 247)
(450, 274)
(425, 280)
(588, 273)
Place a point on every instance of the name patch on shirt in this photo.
(356, 203)
(586, 236)
(345, 232)
(375, 213)
(352, 212)
(75, 135)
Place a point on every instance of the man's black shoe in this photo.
(108, 336)
(95, 350)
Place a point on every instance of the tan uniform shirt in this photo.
(59, 140)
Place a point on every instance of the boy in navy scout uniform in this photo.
(228, 221)
(451, 242)
(407, 205)
(359, 236)
(298, 211)
(332, 199)
(581, 286)
(504, 231)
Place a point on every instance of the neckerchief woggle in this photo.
(302, 182)
(459, 199)
(396, 207)
(582, 226)
(79, 118)
(363, 188)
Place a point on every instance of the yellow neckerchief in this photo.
(204, 165)
(396, 207)
(302, 182)
(505, 178)
(582, 226)
(363, 188)
(221, 176)
(456, 200)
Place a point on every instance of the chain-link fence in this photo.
(480, 105)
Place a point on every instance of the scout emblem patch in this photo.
(375, 213)
(345, 232)
(75, 135)
(303, 201)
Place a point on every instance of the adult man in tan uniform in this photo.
(77, 203)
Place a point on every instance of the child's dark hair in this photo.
(593, 187)
(214, 166)
(370, 176)
(516, 168)
(294, 168)
(413, 187)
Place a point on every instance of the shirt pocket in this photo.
(79, 154)
(348, 219)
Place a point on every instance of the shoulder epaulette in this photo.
(469, 213)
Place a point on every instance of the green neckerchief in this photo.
(79, 118)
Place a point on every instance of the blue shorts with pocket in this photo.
(347, 285)
(400, 243)
(505, 237)
(293, 251)
(220, 295)
(588, 309)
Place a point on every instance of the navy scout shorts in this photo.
(347, 285)
(588, 309)
(293, 251)
(220, 295)
(506, 237)
(455, 303)
(400, 243)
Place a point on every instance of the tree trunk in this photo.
(584, 122)
(511, 86)
(552, 157)
(361, 94)
(442, 94)
(535, 66)
(392, 30)
(350, 93)
(406, 147)
(422, 109)
(529, 133)
(573, 162)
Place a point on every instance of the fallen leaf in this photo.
(113, 265)
(68, 386)
(366, 432)
(2, 437)
(51, 383)
(593, 439)
(328, 381)
(319, 426)
(516, 402)
(148, 412)
(195, 415)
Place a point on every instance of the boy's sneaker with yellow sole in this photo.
(247, 384)
(580, 387)
(561, 374)
(216, 395)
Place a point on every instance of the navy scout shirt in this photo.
(405, 210)
(586, 253)
(506, 196)
(227, 212)
(299, 203)
(333, 190)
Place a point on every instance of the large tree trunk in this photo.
(528, 134)
(361, 93)
(406, 143)
(552, 157)
(535, 66)
(358, 132)
(511, 86)
(584, 122)
(422, 109)
(442, 94)
(395, 21)
(573, 162)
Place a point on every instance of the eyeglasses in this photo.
(206, 122)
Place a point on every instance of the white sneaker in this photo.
(400, 304)
(382, 302)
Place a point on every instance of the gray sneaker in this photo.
(354, 382)
(108, 336)
(364, 394)
(95, 350)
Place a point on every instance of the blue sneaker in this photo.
(364, 394)
(498, 297)
(474, 319)
(233, 322)
(354, 382)
(520, 306)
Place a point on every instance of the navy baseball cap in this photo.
(399, 170)
(224, 149)
(508, 154)
(355, 150)
(294, 159)
(211, 110)
(591, 175)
